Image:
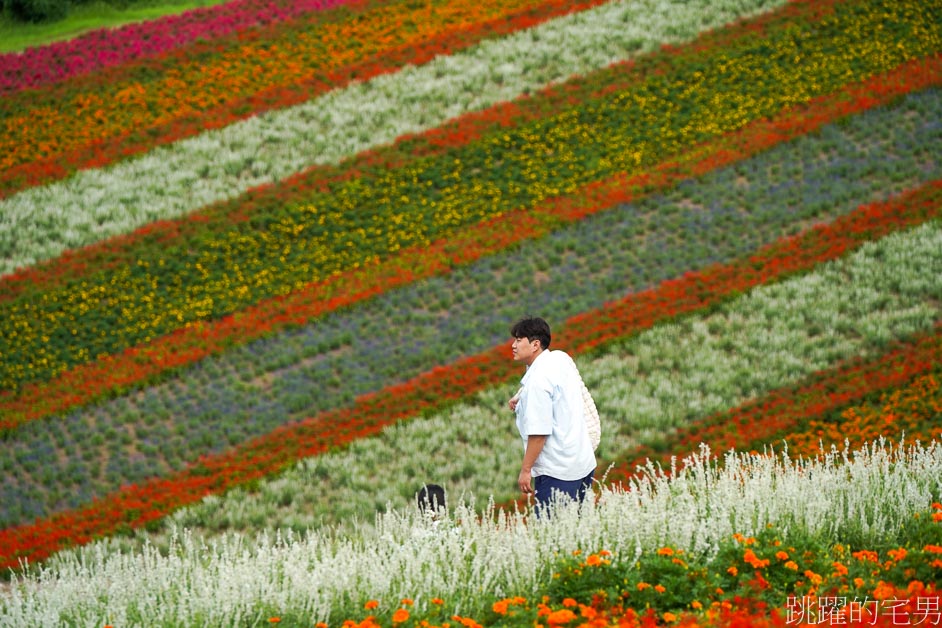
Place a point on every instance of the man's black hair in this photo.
(431, 497)
(532, 328)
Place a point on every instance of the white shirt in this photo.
(550, 404)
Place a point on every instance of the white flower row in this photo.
(168, 182)
(658, 381)
(469, 561)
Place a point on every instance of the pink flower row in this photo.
(107, 47)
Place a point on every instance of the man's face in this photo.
(525, 350)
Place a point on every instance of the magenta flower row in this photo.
(105, 47)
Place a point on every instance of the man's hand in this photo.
(535, 444)
(523, 481)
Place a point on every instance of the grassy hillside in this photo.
(259, 272)
(17, 36)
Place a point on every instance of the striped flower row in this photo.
(342, 487)
(246, 392)
(673, 378)
(367, 214)
(429, 145)
(122, 111)
(87, 383)
(906, 312)
(171, 181)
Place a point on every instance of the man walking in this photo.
(558, 458)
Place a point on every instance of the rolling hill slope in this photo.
(277, 265)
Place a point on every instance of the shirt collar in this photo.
(538, 359)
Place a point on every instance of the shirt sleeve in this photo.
(538, 409)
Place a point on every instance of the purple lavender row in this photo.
(105, 47)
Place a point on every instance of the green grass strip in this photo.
(15, 36)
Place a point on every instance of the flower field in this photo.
(259, 262)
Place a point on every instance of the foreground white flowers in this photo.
(468, 559)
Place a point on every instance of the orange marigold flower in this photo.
(660, 588)
(669, 617)
(400, 616)
(733, 571)
(605, 553)
(884, 591)
(750, 557)
(562, 616)
(781, 555)
(588, 612)
(937, 516)
(500, 607)
(437, 600)
(696, 605)
(320, 624)
(858, 582)
(371, 604)
(274, 620)
(897, 554)
(665, 551)
(839, 569)
(643, 585)
(934, 549)
(866, 555)
(569, 602)
(406, 601)
(813, 577)
(791, 565)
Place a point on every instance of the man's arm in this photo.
(534, 447)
